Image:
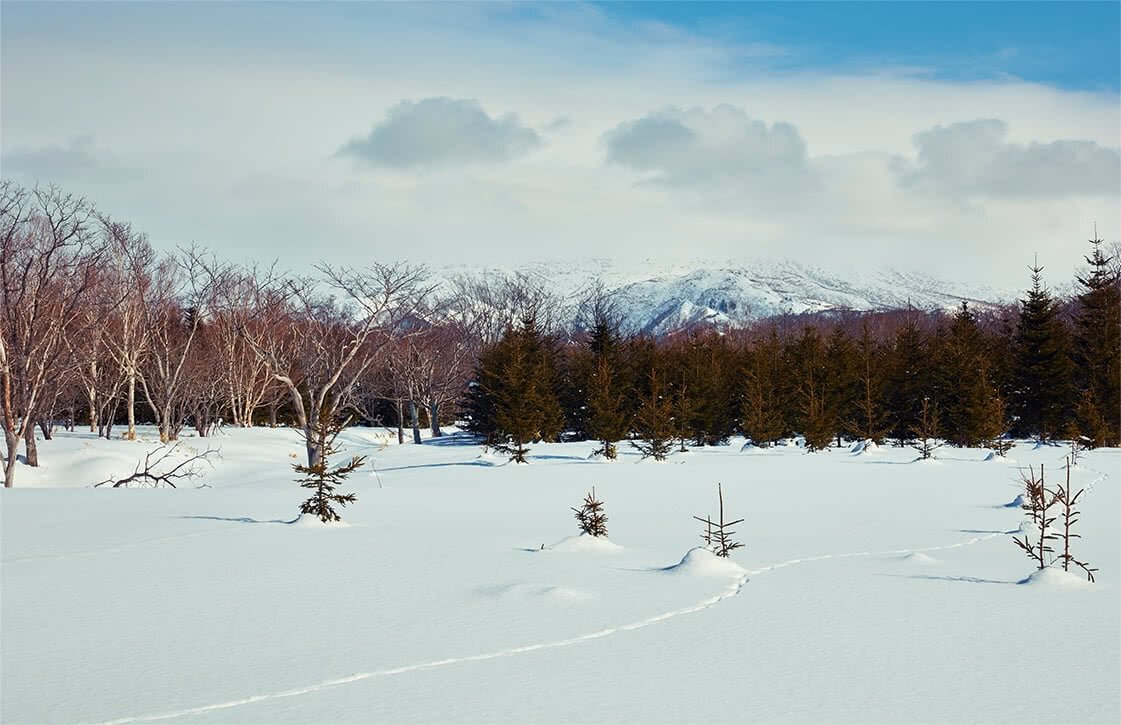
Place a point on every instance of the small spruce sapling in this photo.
(590, 516)
(1037, 504)
(926, 431)
(717, 536)
(1066, 499)
(321, 478)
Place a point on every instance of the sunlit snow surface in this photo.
(869, 589)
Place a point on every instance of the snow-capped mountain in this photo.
(663, 299)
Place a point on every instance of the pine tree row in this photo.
(1043, 370)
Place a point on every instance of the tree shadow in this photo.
(484, 464)
(454, 440)
(966, 579)
(242, 519)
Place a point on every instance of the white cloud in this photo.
(708, 148)
(973, 159)
(232, 135)
(442, 132)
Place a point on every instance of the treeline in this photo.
(99, 329)
(1046, 368)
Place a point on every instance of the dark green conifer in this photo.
(1097, 341)
(761, 417)
(321, 478)
(1040, 400)
(653, 422)
(908, 379)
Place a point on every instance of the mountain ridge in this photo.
(664, 298)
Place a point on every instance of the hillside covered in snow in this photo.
(660, 299)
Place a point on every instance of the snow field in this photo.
(869, 589)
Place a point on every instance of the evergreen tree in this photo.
(964, 390)
(907, 379)
(321, 478)
(607, 417)
(870, 419)
(761, 418)
(805, 373)
(603, 385)
(1097, 342)
(1041, 377)
(653, 423)
(685, 423)
(514, 399)
(818, 426)
(1090, 428)
(706, 371)
(842, 373)
(926, 430)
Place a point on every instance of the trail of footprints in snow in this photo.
(732, 591)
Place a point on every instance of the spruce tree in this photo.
(761, 416)
(653, 422)
(842, 373)
(606, 417)
(685, 423)
(321, 478)
(963, 388)
(605, 409)
(907, 380)
(869, 421)
(805, 373)
(1097, 341)
(515, 392)
(705, 370)
(819, 422)
(1041, 376)
(926, 430)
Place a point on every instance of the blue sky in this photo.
(1067, 44)
(491, 133)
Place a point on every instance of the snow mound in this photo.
(1015, 503)
(917, 557)
(700, 561)
(1054, 577)
(864, 447)
(312, 522)
(994, 458)
(585, 542)
(548, 592)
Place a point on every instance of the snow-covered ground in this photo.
(870, 589)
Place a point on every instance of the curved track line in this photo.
(732, 591)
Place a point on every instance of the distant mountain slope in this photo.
(661, 300)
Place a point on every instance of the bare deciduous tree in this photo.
(322, 353)
(49, 255)
(155, 470)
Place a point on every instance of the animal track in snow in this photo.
(735, 588)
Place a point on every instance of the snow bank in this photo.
(584, 542)
(304, 521)
(1056, 578)
(700, 561)
(864, 447)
